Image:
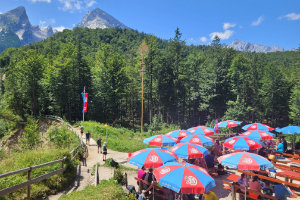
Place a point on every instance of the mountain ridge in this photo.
(253, 47)
(98, 18)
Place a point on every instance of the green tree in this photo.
(23, 83)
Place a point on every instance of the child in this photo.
(104, 151)
(99, 144)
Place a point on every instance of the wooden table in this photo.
(289, 175)
(233, 177)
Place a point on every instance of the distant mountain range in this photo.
(253, 47)
(16, 30)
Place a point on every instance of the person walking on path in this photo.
(81, 131)
(87, 137)
(99, 144)
(104, 151)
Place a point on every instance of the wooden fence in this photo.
(74, 153)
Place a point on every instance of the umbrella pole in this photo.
(245, 193)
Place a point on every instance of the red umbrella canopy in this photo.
(199, 140)
(179, 134)
(184, 178)
(241, 143)
(245, 160)
(151, 157)
(257, 126)
(258, 134)
(201, 130)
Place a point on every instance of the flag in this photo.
(216, 129)
(85, 102)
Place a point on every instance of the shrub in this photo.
(31, 137)
(119, 177)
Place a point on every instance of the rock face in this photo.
(99, 19)
(248, 46)
(16, 23)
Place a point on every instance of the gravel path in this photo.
(84, 176)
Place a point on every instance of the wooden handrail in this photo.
(40, 178)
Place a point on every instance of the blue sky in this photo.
(267, 22)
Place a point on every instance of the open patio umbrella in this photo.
(258, 135)
(151, 157)
(179, 134)
(241, 143)
(184, 178)
(201, 130)
(187, 150)
(199, 140)
(245, 161)
(161, 140)
(257, 126)
(290, 130)
(228, 123)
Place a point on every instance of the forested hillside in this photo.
(184, 85)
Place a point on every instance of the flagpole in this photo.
(83, 97)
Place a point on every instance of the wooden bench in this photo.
(271, 179)
(279, 166)
(295, 156)
(251, 193)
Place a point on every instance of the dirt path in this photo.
(84, 176)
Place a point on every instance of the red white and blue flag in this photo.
(216, 129)
(85, 102)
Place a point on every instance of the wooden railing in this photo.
(74, 153)
(29, 180)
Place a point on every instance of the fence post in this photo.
(28, 179)
(62, 162)
(126, 180)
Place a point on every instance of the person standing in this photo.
(217, 149)
(104, 151)
(99, 144)
(283, 141)
(141, 172)
(87, 137)
(279, 147)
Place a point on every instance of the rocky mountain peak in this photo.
(15, 19)
(98, 18)
(18, 29)
(253, 47)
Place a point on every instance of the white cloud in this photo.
(59, 28)
(291, 16)
(203, 39)
(258, 21)
(222, 35)
(34, 1)
(76, 5)
(228, 25)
